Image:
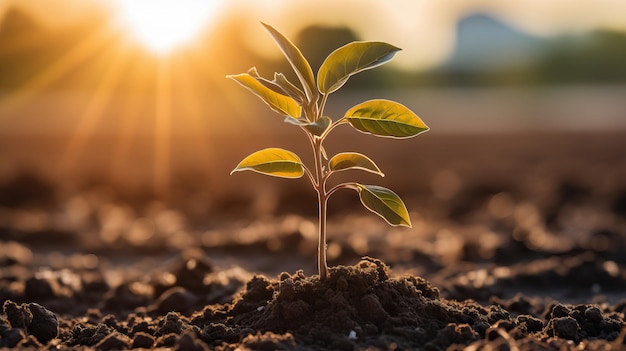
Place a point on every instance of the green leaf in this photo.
(274, 162)
(300, 65)
(280, 85)
(384, 203)
(288, 87)
(353, 160)
(280, 103)
(318, 127)
(266, 82)
(296, 121)
(351, 59)
(385, 118)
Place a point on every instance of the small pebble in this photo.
(593, 314)
(44, 325)
(142, 340)
(566, 328)
(113, 341)
(11, 337)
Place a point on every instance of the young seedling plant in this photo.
(303, 106)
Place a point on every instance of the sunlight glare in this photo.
(163, 25)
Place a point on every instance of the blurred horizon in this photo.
(411, 25)
(92, 59)
(477, 36)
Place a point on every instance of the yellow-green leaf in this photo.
(272, 161)
(288, 87)
(351, 59)
(280, 103)
(353, 160)
(384, 203)
(318, 127)
(300, 65)
(385, 118)
(266, 82)
(280, 85)
(296, 121)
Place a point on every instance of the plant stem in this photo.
(323, 201)
(321, 255)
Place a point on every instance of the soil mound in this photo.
(360, 307)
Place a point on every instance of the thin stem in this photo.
(339, 186)
(310, 113)
(322, 104)
(332, 126)
(321, 254)
(322, 197)
(320, 186)
(310, 175)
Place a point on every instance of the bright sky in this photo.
(163, 25)
(425, 29)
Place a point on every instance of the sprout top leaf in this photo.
(352, 59)
(300, 65)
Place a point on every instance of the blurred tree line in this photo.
(597, 57)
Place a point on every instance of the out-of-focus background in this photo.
(118, 126)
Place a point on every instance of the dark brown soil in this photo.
(522, 248)
(357, 307)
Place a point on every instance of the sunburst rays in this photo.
(163, 126)
(56, 70)
(133, 115)
(95, 108)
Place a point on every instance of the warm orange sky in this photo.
(425, 29)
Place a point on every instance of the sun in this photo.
(164, 25)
